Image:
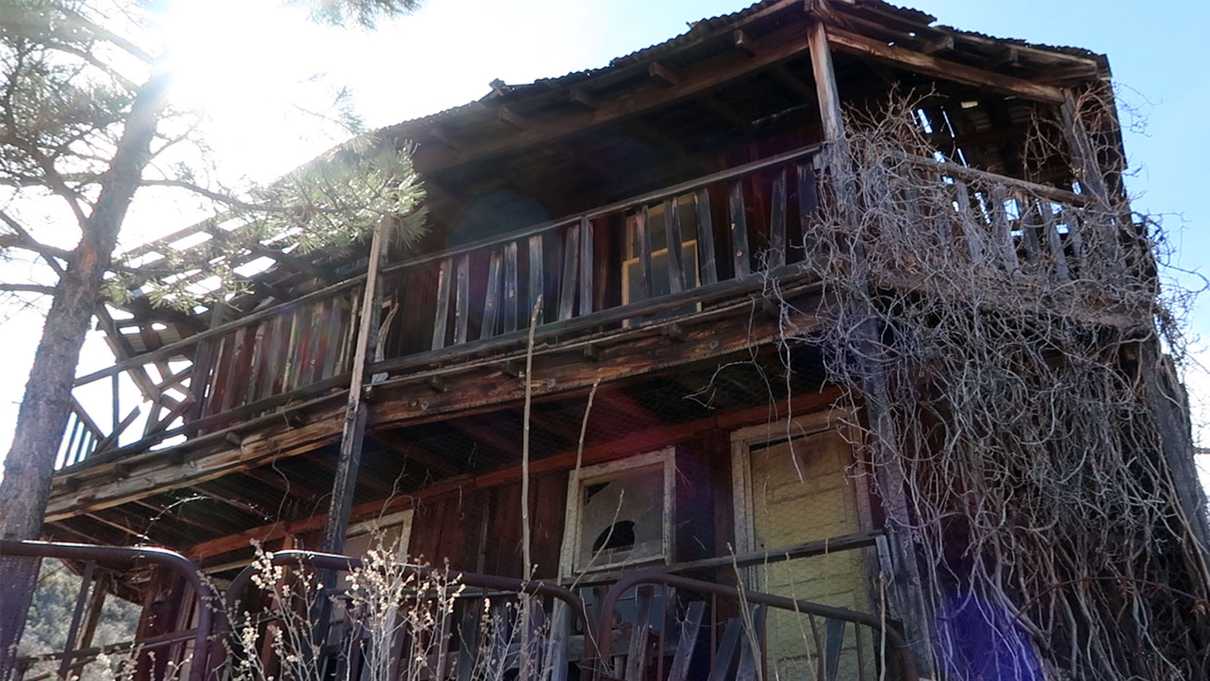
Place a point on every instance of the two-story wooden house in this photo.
(648, 204)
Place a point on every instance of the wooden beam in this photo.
(743, 42)
(939, 44)
(825, 82)
(397, 442)
(707, 335)
(644, 440)
(665, 74)
(579, 96)
(356, 410)
(724, 111)
(784, 44)
(908, 594)
(511, 118)
(941, 68)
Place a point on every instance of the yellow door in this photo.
(795, 503)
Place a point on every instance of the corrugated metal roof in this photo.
(703, 28)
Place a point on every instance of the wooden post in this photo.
(1169, 406)
(1092, 178)
(909, 591)
(356, 409)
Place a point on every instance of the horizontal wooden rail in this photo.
(961, 171)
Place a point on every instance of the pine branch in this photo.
(213, 195)
(23, 240)
(102, 33)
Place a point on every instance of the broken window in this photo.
(622, 514)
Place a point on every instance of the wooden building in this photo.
(389, 387)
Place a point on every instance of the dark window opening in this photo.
(619, 535)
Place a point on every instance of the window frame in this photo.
(665, 461)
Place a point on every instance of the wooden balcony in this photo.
(605, 269)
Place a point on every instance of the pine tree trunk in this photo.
(29, 466)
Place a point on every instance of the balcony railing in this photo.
(477, 298)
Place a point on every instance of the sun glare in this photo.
(256, 70)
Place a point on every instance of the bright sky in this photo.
(242, 60)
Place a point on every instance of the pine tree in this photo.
(85, 109)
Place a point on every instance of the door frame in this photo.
(744, 439)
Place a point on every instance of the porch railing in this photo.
(606, 648)
(190, 643)
(476, 298)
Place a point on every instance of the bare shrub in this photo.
(1012, 375)
(393, 620)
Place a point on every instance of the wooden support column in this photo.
(907, 586)
(1169, 406)
(356, 410)
(1083, 154)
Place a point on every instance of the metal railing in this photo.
(70, 659)
(739, 646)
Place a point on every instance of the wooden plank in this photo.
(1001, 237)
(586, 266)
(260, 347)
(291, 357)
(705, 236)
(642, 238)
(554, 666)
(971, 235)
(311, 346)
(278, 336)
(808, 203)
(777, 221)
(636, 656)
(442, 304)
(356, 412)
(690, 628)
(818, 39)
(941, 68)
(569, 279)
(241, 360)
(1054, 243)
(536, 279)
(510, 287)
(491, 298)
(833, 645)
(677, 280)
(217, 375)
(77, 616)
(348, 327)
(462, 301)
(752, 647)
(71, 454)
(1027, 211)
(739, 230)
(334, 336)
(724, 658)
(1074, 235)
(82, 414)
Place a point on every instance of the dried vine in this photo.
(1014, 338)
